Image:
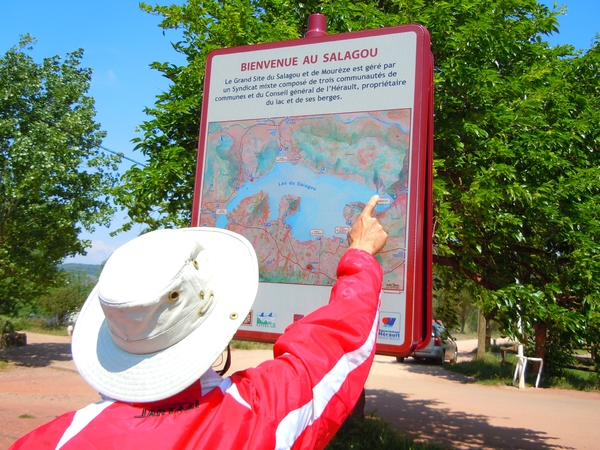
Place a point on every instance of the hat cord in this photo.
(227, 365)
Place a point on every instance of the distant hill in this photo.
(91, 270)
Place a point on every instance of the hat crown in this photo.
(155, 290)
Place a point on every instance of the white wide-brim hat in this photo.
(166, 306)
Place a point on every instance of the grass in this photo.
(35, 325)
(577, 379)
(249, 345)
(26, 416)
(489, 371)
(374, 433)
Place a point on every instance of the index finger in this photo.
(370, 206)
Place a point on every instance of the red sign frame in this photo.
(417, 313)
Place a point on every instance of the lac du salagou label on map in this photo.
(294, 141)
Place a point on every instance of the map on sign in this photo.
(293, 186)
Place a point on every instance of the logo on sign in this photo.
(266, 320)
(388, 322)
(248, 320)
(389, 326)
(389, 335)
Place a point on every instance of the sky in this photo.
(120, 41)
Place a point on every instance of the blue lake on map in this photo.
(323, 198)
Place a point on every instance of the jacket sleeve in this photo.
(321, 362)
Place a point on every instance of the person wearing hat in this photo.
(165, 308)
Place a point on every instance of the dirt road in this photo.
(437, 405)
(426, 401)
(41, 384)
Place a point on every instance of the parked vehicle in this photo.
(441, 348)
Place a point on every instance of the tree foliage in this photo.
(454, 298)
(54, 180)
(517, 185)
(67, 298)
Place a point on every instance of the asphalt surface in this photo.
(426, 401)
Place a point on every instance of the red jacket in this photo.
(298, 400)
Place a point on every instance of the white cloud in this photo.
(96, 254)
(103, 245)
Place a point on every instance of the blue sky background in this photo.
(120, 41)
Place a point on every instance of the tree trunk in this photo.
(540, 343)
(481, 334)
(464, 315)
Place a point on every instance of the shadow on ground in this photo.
(425, 420)
(37, 355)
(428, 368)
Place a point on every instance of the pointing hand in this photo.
(367, 233)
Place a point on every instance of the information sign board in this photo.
(295, 137)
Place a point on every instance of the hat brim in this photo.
(134, 378)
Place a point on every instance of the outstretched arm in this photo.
(323, 360)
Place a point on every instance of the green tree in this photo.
(517, 180)
(54, 179)
(453, 299)
(67, 298)
(518, 190)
